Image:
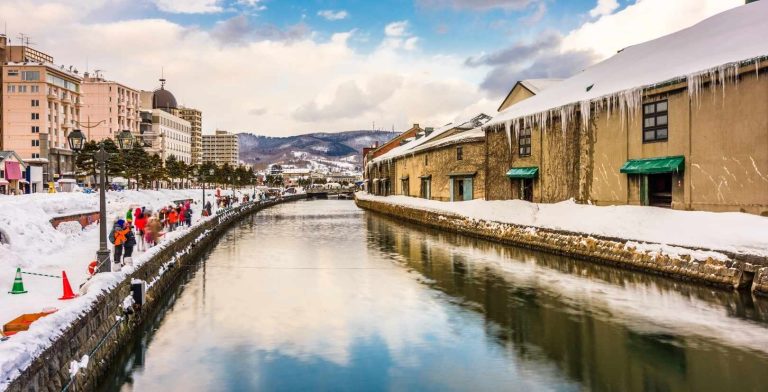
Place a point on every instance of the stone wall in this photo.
(104, 328)
(735, 272)
(85, 219)
(557, 154)
(439, 163)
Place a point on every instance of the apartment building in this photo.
(108, 108)
(161, 130)
(195, 118)
(41, 104)
(220, 148)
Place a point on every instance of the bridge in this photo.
(328, 193)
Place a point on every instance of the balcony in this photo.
(52, 96)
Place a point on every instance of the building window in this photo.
(459, 153)
(35, 155)
(34, 89)
(13, 72)
(11, 88)
(524, 142)
(35, 143)
(35, 129)
(35, 116)
(35, 102)
(22, 89)
(405, 185)
(655, 121)
(30, 75)
(426, 159)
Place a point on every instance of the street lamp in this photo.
(125, 140)
(76, 141)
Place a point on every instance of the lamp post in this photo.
(125, 141)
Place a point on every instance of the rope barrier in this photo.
(37, 274)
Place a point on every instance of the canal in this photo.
(319, 295)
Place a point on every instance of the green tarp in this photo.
(654, 165)
(523, 172)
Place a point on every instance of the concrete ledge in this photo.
(732, 273)
(106, 318)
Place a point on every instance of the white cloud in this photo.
(396, 29)
(189, 6)
(604, 7)
(640, 22)
(333, 15)
(259, 81)
(476, 4)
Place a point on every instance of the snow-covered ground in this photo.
(35, 246)
(724, 231)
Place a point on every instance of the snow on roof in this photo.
(468, 123)
(461, 136)
(714, 47)
(538, 85)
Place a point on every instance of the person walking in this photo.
(208, 208)
(117, 237)
(130, 242)
(173, 218)
(188, 216)
(141, 226)
(154, 230)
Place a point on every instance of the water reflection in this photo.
(319, 295)
(604, 328)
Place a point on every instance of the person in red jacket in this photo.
(140, 221)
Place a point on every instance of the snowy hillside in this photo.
(322, 147)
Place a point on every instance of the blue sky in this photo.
(440, 28)
(280, 67)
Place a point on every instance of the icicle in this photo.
(507, 125)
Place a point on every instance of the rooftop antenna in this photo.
(162, 78)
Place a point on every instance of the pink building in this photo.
(108, 108)
(40, 106)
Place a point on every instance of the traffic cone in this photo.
(18, 285)
(68, 293)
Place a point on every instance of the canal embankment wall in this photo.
(101, 331)
(735, 271)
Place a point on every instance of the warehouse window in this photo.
(655, 121)
(524, 142)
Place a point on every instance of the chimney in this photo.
(415, 125)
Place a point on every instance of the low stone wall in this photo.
(105, 329)
(84, 218)
(731, 273)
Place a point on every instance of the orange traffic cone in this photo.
(68, 293)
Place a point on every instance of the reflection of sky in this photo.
(302, 303)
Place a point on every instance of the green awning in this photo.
(523, 172)
(654, 165)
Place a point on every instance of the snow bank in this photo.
(725, 231)
(35, 246)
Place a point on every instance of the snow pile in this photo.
(720, 231)
(35, 246)
(713, 48)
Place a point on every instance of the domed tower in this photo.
(164, 99)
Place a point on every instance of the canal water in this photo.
(319, 295)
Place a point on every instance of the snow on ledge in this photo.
(663, 230)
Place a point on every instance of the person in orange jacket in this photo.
(173, 218)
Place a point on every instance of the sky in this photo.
(278, 68)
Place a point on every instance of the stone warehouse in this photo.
(691, 136)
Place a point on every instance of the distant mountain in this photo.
(333, 147)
